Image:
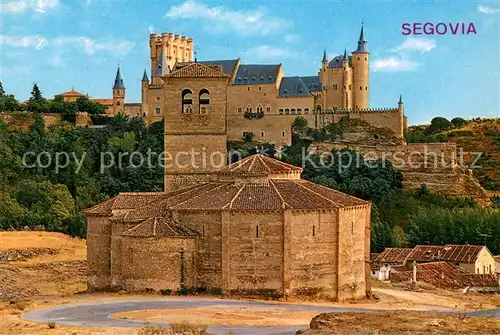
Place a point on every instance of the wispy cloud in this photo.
(220, 18)
(292, 38)
(267, 52)
(413, 44)
(91, 46)
(31, 41)
(394, 64)
(17, 7)
(88, 45)
(488, 10)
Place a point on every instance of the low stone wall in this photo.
(21, 121)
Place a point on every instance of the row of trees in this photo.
(433, 132)
(39, 104)
(41, 195)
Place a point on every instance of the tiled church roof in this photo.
(261, 163)
(286, 192)
(160, 227)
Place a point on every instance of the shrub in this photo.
(51, 324)
(184, 327)
(150, 330)
(166, 291)
(22, 305)
(184, 291)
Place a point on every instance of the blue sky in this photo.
(61, 44)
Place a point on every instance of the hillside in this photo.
(473, 137)
(41, 263)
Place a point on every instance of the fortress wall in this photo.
(312, 266)
(98, 253)
(21, 121)
(239, 96)
(273, 127)
(255, 262)
(209, 250)
(156, 262)
(352, 241)
(295, 102)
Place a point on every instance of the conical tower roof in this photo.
(118, 80)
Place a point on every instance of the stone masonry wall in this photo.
(312, 253)
(351, 264)
(156, 263)
(255, 250)
(98, 253)
(209, 254)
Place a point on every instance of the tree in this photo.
(7, 101)
(248, 137)
(2, 92)
(37, 102)
(299, 126)
(458, 122)
(438, 124)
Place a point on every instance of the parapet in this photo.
(358, 110)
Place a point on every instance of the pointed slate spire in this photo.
(400, 99)
(324, 57)
(345, 55)
(145, 76)
(362, 43)
(118, 80)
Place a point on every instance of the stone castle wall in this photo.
(98, 253)
(21, 121)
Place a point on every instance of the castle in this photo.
(260, 98)
(254, 225)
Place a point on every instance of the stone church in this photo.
(253, 225)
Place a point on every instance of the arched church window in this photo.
(187, 101)
(249, 108)
(204, 99)
(259, 108)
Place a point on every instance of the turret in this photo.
(324, 62)
(360, 65)
(401, 117)
(144, 92)
(345, 59)
(118, 93)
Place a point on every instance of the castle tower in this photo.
(346, 81)
(401, 116)
(166, 50)
(195, 125)
(324, 61)
(360, 64)
(118, 93)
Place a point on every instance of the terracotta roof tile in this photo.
(261, 163)
(160, 227)
(197, 70)
(299, 197)
(334, 195)
(212, 199)
(462, 253)
(393, 255)
(257, 197)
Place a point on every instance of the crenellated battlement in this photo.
(358, 111)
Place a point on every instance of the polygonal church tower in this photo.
(361, 73)
(196, 131)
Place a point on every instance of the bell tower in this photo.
(118, 93)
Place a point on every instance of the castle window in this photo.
(204, 99)
(335, 87)
(361, 88)
(283, 133)
(299, 111)
(203, 230)
(366, 88)
(293, 110)
(268, 109)
(118, 103)
(318, 108)
(287, 111)
(249, 88)
(259, 108)
(314, 230)
(257, 231)
(350, 87)
(249, 108)
(158, 110)
(239, 109)
(261, 134)
(157, 99)
(306, 110)
(187, 101)
(366, 58)
(260, 88)
(358, 58)
(281, 111)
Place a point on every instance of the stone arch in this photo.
(187, 101)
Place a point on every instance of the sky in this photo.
(61, 44)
